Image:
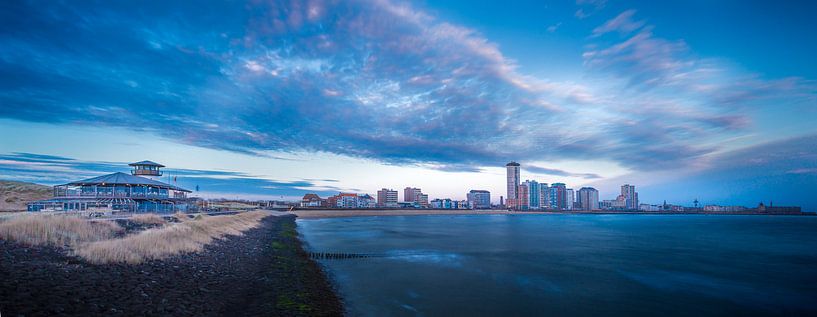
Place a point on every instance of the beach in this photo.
(334, 213)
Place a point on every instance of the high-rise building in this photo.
(522, 196)
(557, 196)
(479, 199)
(410, 194)
(387, 198)
(513, 184)
(588, 198)
(630, 197)
(544, 196)
(533, 194)
(569, 199)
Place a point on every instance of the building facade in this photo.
(557, 196)
(387, 198)
(544, 196)
(479, 199)
(447, 203)
(523, 197)
(533, 194)
(512, 170)
(410, 194)
(312, 201)
(588, 198)
(415, 195)
(630, 197)
(569, 199)
(118, 192)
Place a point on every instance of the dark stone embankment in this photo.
(263, 272)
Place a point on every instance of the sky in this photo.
(707, 100)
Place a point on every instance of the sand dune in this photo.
(15, 195)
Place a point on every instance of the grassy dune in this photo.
(55, 230)
(187, 236)
(148, 219)
(94, 240)
(15, 195)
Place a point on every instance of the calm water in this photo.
(572, 264)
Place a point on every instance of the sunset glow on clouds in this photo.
(399, 85)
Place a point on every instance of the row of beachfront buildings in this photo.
(389, 198)
(533, 195)
(141, 190)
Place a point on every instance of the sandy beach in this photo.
(326, 213)
(335, 213)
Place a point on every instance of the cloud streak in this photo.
(53, 170)
(558, 172)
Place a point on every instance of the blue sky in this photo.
(715, 100)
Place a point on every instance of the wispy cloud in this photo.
(623, 23)
(589, 7)
(783, 171)
(558, 172)
(52, 170)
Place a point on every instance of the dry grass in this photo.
(55, 230)
(187, 236)
(148, 219)
(181, 217)
(15, 195)
(9, 215)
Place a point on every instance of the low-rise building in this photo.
(366, 201)
(118, 192)
(312, 201)
(447, 203)
(718, 208)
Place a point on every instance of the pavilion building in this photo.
(118, 192)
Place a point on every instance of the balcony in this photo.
(119, 191)
(115, 195)
(145, 172)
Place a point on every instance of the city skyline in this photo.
(284, 98)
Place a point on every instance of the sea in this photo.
(570, 265)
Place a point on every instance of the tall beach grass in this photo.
(55, 230)
(148, 219)
(190, 235)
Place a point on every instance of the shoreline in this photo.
(343, 213)
(264, 271)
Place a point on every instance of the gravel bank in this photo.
(263, 272)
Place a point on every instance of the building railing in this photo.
(118, 195)
(146, 172)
